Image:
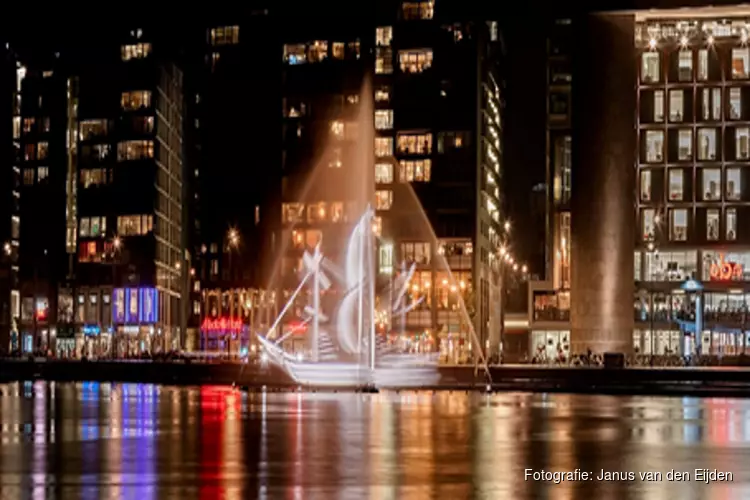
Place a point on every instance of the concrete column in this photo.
(602, 204)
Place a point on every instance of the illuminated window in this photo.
(317, 212)
(383, 119)
(385, 258)
(415, 144)
(134, 225)
(658, 105)
(740, 63)
(733, 184)
(383, 94)
(292, 212)
(703, 65)
(377, 225)
(711, 181)
(654, 146)
(28, 124)
(215, 58)
(648, 224)
(90, 129)
(676, 184)
(339, 50)
(295, 53)
(650, 67)
(712, 224)
(135, 51)
(731, 224)
(676, 105)
(16, 127)
(383, 60)
(707, 144)
(383, 173)
(42, 173)
(415, 61)
(42, 150)
(685, 66)
(418, 252)
(29, 152)
(28, 176)
(137, 99)
(645, 185)
(418, 10)
(353, 49)
(93, 177)
(92, 227)
(352, 99)
(448, 141)
(383, 36)
(678, 224)
(735, 103)
(225, 35)
(742, 143)
(317, 51)
(337, 129)
(414, 170)
(337, 211)
(383, 146)
(383, 199)
(135, 150)
(685, 144)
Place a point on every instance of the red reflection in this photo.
(215, 402)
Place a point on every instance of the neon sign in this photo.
(222, 325)
(726, 271)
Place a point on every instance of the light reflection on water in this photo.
(146, 442)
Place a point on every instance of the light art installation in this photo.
(356, 356)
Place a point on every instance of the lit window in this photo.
(352, 99)
(742, 143)
(28, 124)
(337, 211)
(337, 128)
(42, 173)
(417, 252)
(418, 10)
(414, 171)
(292, 212)
(383, 94)
(733, 184)
(650, 67)
(659, 106)
(676, 184)
(678, 224)
(28, 176)
(29, 152)
(645, 188)
(648, 224)
(383, 60)
(684, 144)
(93, 177)
(317, 51)
(135, 51)
(707, 144)
(335, 158)
(134, 225)
(740, 63)
(654, 146)
(42, 150)
(676, 105)
(735, 103)
(716, 103)
(415, 144)
(712, 224)
(385, 258)
(338, 50)
(711, 181)
(415, 61)
(353, 49)
(383, 119)
(383, 173)
(448, 141)
(731, 224)
(16, 127)
(134, 100)
(383, 199)
(703, 65)
(377, 225)
(685, 66)
(383, 146)
(90, 129)
(383, 36)
(92, 227)
(295, 53)
(225, 35)
(135, 150)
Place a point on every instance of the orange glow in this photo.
(726, 271)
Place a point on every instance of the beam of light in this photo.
(288, 304)
(354, 277)
(405, 285)
(405, 310)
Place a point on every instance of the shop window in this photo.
(733, 184)
(676, 105)
(731, 224)
(135, 150)
(383, 119)
(716, 104)
(685, 66)
(650, 70)
(645, 187)
(676, 184)
(383, 146)
(678, 224)
(735, 103)
(417, 252)
(658, 106)
(415, 144)
(414, 171)
(685, 145)
(671, 266)
(134, 225)
(711, 180)
(707, 144)
(415, 61)
(654, 146)
(740, 63)
(295, 53)
(742, 143)
(648, 224)
(712, 224)
(383, 199)
(134, 100)
(703, 65)
(383, 173)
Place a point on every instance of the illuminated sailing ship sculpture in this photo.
(354, 358)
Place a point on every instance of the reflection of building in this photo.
(691, 151)
(232, 319)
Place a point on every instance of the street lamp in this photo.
(506, 226)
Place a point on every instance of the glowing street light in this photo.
(506, 226)
(117, 243)
(524, 269)
(515, 267)
(234, 238)
(7, 248)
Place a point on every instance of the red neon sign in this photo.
(222, 325)
(726, 271)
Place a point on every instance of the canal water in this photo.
(96, 441)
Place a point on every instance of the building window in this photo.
(703, 65)
(377, 226)
(93, 177)
(645, 185)
(29, 152)
(225, 35)
(383, 173)
(678, 225)
(742, 143)
(740, 63)
(134, 100)
(295, 53)
(658, 105)
(448, 141)
(711, 179)
(685, 66)
(92, 227)
(716, 104)
(676, 105)
(383, 146)
(385, 258)
(42, 149)
(335, 158)
(338, 50)
(650, 67)
(684, 144)
(733, 184)
(291, 213)
(91, 129)
(134, 225)
(42, 173)
(383, 199)
(317, 51)
(648, 224)
(383, 119)
(417, 252)
(654, 146)
(559, 104)
(707, 144)
(414, 171)
(415, 144)
(676, 184)
(712, 224)
(731, 224)
(28, 176)
(135, 51)
(383, 36)
(383, 94)
(415, 61)
(383, 60)
(735, 103)
(417, 10)
(135, 150)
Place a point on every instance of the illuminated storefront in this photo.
(135, 319)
